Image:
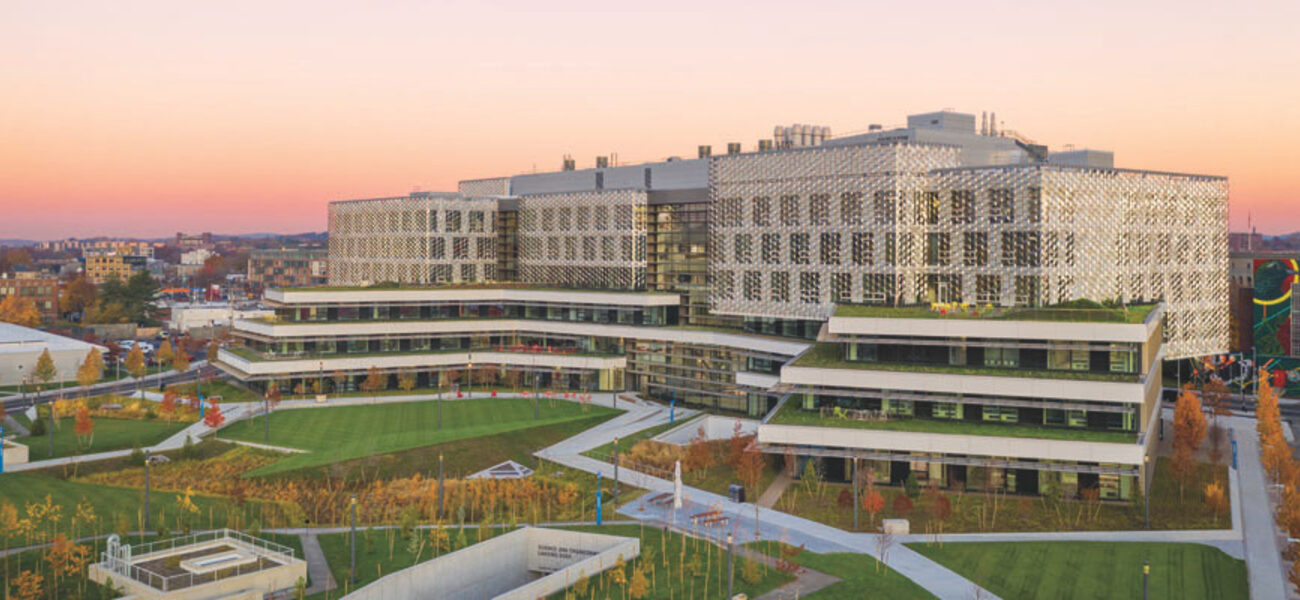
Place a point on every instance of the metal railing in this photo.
(260, 548)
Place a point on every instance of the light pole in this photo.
(440, 485)
(471, 375)
(1146, 575)
(598, 508)
(146, 491)
(731, 566)
(616, 471)
(1146, 487)
(352, 541)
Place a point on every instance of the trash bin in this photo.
(736, 492)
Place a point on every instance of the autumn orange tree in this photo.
(19, 311)
(84, 428)
(750, 469)
(168, 405)
(213, 418)
(91, 369)
(135, 364)
(375, 381)
(1189, 431)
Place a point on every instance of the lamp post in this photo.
(731, 566)
(471, 375)
(352, 541)
(1146, 487)
(146, 490)
(615, 470)
(1146, 575)
(439, 485)
(598, 508)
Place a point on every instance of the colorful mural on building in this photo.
(1274, 281)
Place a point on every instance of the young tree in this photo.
(1189, 432)
(211, 353)
(1183, 466)
(213, 418)
(165, 353)
(1215, 498)
(19, 311)
(339, 378)
(84, 428)
(750, 470)
(45, 370)
(1216, 396)
(135, 364)
(406, 380)
(181, 360)
(375, 381)
(168, 405)
(91, 369)
(902, 506)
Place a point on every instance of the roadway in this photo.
(124, 386)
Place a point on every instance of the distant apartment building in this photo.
(942, 299)
(287, 268)
(41, 289)
(118, 247)
(192, 241)
(101, 268)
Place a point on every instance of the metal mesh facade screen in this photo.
(793, 233)
(592, 239)
(420, 239)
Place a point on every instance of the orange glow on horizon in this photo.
(145, 118)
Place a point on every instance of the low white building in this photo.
(21, 347)
(186, 317)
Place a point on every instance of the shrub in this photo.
(137, 455)
(845, 499)
(911, 487)
(188, 451)
(38, 428)
(902, 506)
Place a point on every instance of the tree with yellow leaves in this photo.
(19, 311)
(28, 586)
(91, 369)
(165, 354)
(1189, 431)
(135, 364)
(1215, 498)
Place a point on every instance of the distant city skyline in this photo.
(145, 118)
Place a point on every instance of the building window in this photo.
(851, 208)
(744, 248)
(963, 207)
(453, 221)
(937, 249)
(1002, 206)
(433, 221)
(762, 211)
(877, 287)
(485, 248)
(753, 284)
(1123, 362)
(975, 248)
(819, 209)
(780, 286)
(841, 287)
(469, 272)
(1067, 360)
(1027, 290)
(790, 211)
(862, 248)
(608, 249)
(1002, 414)
(1021, 249)
(830, 247)
(771, 248)
(947, 410)
(571, 248)
(886, 208)
(477, 224)
(930, 207)
(1034, 200)
(589, 248)
(799, 252)
(810, 288)
(988, 289)
(438, 248)
(1001, 357)
(891, 249)
(726, 285)
(600, 218)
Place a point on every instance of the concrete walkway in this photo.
(774, 491)
(1262, 543)
(743, 521)
(318, 569)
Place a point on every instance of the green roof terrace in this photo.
(1078, 311)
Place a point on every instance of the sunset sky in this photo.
(144, 118)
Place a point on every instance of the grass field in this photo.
(460, 457)
(1094, 570)
(333, 434)
(861, 576)
(110, 434)
(605, 452)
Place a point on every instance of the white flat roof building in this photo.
(21, 347)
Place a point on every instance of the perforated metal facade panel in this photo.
(590, 239)
(422, 239)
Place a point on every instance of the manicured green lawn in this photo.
(460, 457)
(792, 414)
(861, 575)
(110, 434)
(1094, 570)
(333, 434)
